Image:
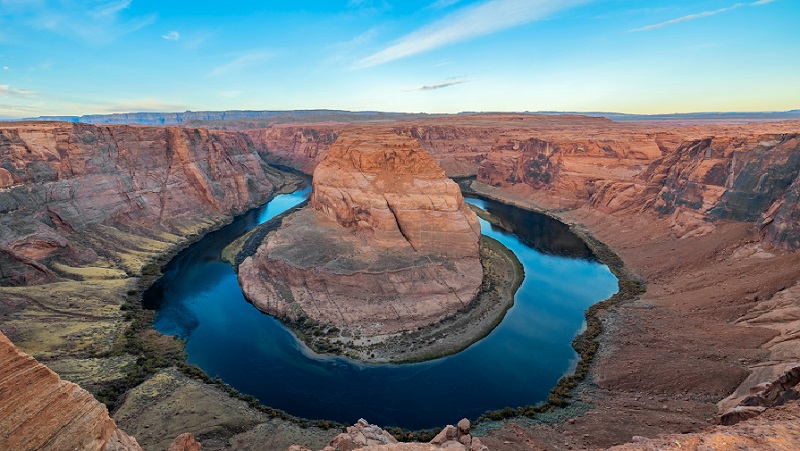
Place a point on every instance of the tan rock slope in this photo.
(387, 245)
(39, 411)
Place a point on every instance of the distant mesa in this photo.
(387, 245)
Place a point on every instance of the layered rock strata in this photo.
(70, 193)
(388, 244)
(39, 411)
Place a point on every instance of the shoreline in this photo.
(586, 343)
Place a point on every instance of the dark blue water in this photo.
(200, 300)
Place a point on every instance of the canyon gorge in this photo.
(706, 217)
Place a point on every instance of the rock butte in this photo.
(387, 245)
(84, 209)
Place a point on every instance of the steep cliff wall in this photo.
(745, 178)
(66, 187)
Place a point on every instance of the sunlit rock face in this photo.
(392, 188)
(387, 244)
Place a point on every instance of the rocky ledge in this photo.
(369, 437)
(387, 246)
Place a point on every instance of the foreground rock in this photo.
(368, 437)
(39, 411)
(388, 245)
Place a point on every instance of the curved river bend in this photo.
(199, 299)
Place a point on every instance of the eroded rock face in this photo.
(389, 186)
(387, 245)
(39, 411)
(63, 182)
(747, 178)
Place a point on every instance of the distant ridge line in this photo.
(323, 115)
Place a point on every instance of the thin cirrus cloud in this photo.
(242, 62)
(699, 15)
(172, 36)
(442, 85)
(96, 22)
(442, 4)
(8, 91)
(466, 23)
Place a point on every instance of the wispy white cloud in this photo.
(343, 51)
(93, 21)
(699, 15)
(172, 36)
(371, 5)
(8, 91)
(242, 62)
(442, 4)
(468, 22)
(109, 9)
(442, 85)
(6, 68)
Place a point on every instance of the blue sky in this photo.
(658, 56)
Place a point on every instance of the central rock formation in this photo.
(388, 244)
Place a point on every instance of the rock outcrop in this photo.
(388, 244)
(185, 442)
(369, 437)
(752, 178)
(39, 411)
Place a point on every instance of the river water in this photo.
(199, 299)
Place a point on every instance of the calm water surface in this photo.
(199, 299)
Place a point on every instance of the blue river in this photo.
(198, 299)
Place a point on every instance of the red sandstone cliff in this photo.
(750, 178)
(63, 183)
